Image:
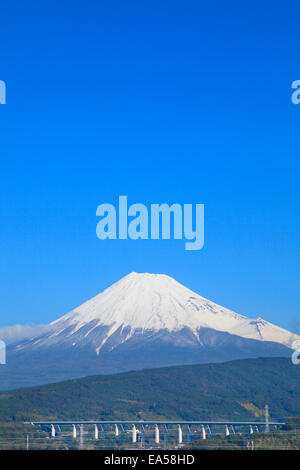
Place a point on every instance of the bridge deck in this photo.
(137, 422)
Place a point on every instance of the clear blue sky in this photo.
(163, 101)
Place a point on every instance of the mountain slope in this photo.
(143, 320)
(153, 302)
(233, 390)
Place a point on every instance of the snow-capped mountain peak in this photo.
(153, 302)
(142, 321)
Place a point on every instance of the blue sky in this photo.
(169, 101)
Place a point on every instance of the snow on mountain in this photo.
(156, 302)
(141, 321)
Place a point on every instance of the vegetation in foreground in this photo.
(285, 438)
(236, 390)
(17, 436)
(233, 390)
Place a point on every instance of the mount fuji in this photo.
(143, 320)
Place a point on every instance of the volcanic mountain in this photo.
(143, 320)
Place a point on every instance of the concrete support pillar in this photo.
(250, 429)
(143, 434)
(227, 433)
(96, 432)
(133, 433)
(81, 436)
(74, 432)
(179, 434)
(166, 435)
(203, 432)
(52, 431)
(156, 434)
(208, 429)
(117, 432)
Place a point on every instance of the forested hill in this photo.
(235, 390)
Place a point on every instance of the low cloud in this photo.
(16, 333)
